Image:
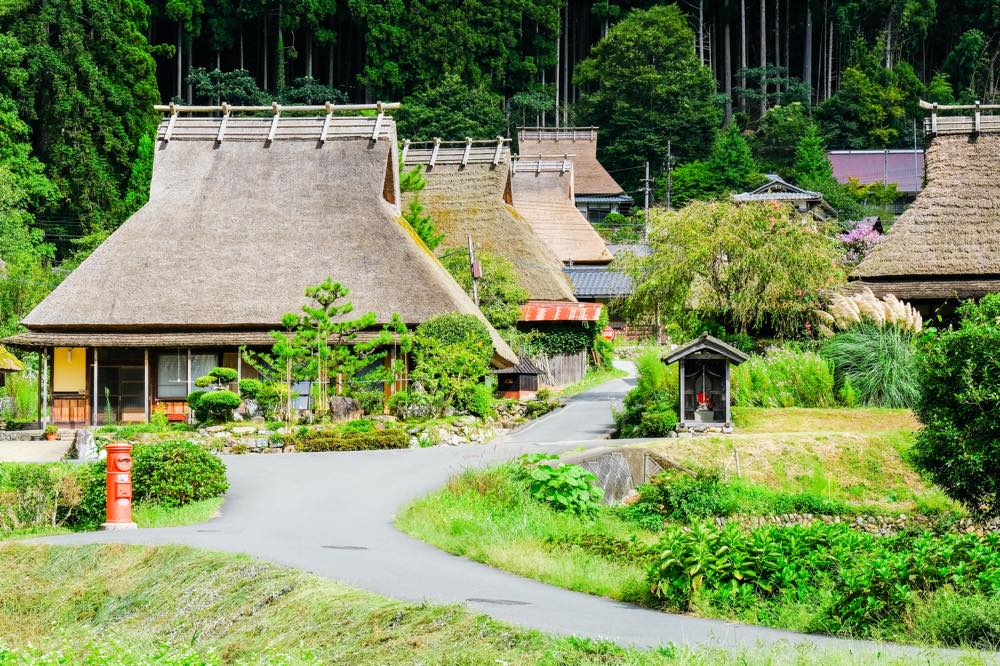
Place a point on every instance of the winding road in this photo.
(332, 514)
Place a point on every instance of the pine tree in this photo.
(811, 162)
(731, 162)
(422, 223)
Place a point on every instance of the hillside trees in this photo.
(646, 87)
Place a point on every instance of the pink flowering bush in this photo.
(859, 241)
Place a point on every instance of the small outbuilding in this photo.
(519, 382)
(703, 365)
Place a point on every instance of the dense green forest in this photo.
(78, 79)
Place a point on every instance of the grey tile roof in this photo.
(590, 282)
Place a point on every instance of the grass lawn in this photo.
(116, 604)
(854, 455)
(592, 378)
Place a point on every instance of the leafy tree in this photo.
(730, 167)
(500, 296)
(782, 89)
(645, 87)
(959, 408)
(862, 113)
(452, 111)
(307, 90)
(939, 89)
(966, 63)
(137, 190)
(412, 180)
(237, 86)
(778, 134)
(86, 85)
(752, 265)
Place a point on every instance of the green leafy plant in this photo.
(959, 407)
(176, 473)
(564, 487)
(500, 295)
(650, 409)
(784, 377)
(216, 405)
(356, 440)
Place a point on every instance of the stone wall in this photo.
(873, 524)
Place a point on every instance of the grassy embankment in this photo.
(117, 605)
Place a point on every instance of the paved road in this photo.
(332, 514)
(22, 451)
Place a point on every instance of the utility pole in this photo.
(645, 208)
(475, 270)
(669, 165)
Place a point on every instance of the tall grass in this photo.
(785, 377)
(23, 393)
(878, 362)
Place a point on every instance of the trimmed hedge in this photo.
(176, 473)
(353, 441)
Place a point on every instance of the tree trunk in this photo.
(267, 53)
(743, 52)
(189, 41)
(701, 31)
(180, 60)
(888, 43)
(242, 61)
(807, 50)
(566, 66)
(279, 66)
(727, 68)
(777, 41)
(763, 57)
(829, 62)
(559, 41)
(309, 52)
(786, 59)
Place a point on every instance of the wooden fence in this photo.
(561, 369)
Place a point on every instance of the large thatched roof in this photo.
(581, 143)
(543, 194)
(947, 243)
(234, 231)
(474, 199)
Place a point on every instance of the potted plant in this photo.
(51, 431)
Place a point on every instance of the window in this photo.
(596, 214)
(171, 372)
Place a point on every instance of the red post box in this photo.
(119, 488)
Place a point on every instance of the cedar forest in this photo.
(743, 84)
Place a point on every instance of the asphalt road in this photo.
(332, 514)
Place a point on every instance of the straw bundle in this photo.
(845, 312)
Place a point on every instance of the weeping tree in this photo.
(751, 266)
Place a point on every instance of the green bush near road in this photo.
(392, 438)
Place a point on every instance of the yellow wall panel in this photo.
(69, 370)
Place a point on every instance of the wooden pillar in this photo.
(93, 416)
(189, 386)
(727, 392)
(44, 386)
(145, 382)
(680, 369)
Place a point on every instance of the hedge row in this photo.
(353, 441)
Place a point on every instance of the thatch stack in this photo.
(475, 200)
(543, 194)
(235, 231)
(947, 243)
(9, 362)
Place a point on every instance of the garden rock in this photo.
(345, 409)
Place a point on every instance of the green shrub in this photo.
(372, 401)
(477, 400)
(394, 438)
(452, 355)
(193, 399)
(682, 497)
(959, 407)
(950, 618)
(358, 425)
(656, 393)
(176, 473)
(878, 361)
(455, 328)
(50, 495)
(785, 377)
(216, 406)
(847, 395)
(565, 487)
(856, 583)
(266, 396)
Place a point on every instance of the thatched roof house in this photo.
(468, 192)
(243, 215)
(596, 193)
(543, 194)
(946, 245)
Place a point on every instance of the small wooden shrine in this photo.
(703, 365)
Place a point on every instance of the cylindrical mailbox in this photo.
(119, 488)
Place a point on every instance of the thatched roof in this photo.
(9, 362)
(581, 143)
(475, 200)
(947, 243)
(543, 194)
(235, 231)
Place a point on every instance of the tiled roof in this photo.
(598, 283)
(560, 311)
